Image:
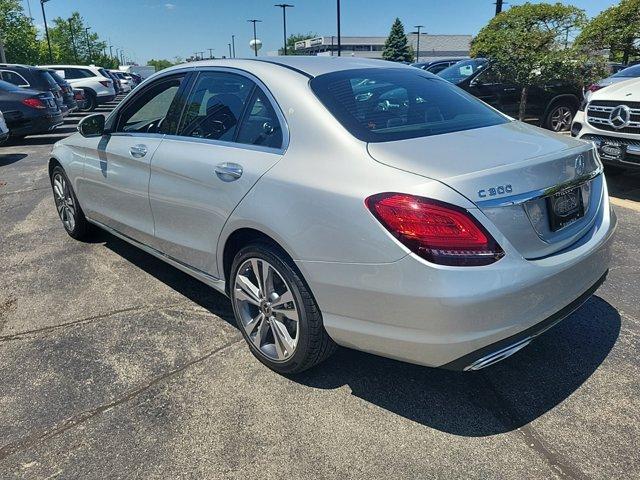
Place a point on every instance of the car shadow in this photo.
(9, 158)
(624, 184)
(496, 400)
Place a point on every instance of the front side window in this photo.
(148, 111)
(260, 125)
(13, 77)
(215, 105)
(387, 104)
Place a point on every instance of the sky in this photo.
(168, 28)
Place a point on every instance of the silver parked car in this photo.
(346, 201)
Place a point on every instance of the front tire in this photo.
(69, 211)
(276, 312)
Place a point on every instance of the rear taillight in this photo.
(34, 103)
(105, 83)
(438, 232)
(594, 87)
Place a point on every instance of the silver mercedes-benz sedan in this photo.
(346, 201)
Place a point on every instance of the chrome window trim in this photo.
(26, 84)
(521, 198)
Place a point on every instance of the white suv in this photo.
(97, 88)
(611, 120)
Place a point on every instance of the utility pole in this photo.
(86, 31)
(255, 38)
(499, 6)
(233, 45)
(418, 45)
(229, 50)
(111, 51)
(338, 21)
(46, 29)
(284, 7)
(210, 52)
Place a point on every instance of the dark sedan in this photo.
(67, 91)
(28, 112)
(34, 78)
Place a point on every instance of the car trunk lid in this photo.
(508, 171)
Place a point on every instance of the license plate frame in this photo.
(564, 208)
(612, 151)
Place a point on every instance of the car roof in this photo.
(310, 66)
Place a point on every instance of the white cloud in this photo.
(169, 6)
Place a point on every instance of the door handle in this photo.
(138, 151)
(228, 172)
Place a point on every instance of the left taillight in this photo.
(436, 231)
(34, 103)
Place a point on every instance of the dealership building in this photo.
(431, 46)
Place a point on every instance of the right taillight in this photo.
(34, 103)
(105, 83)
(438, 232)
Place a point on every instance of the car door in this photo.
(115, 186)
(230, 134)
(489, 87)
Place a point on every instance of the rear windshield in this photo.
(8, 87)
(387, 104)
(629, 72)
(45, 80)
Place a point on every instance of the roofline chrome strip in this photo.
(536, 194)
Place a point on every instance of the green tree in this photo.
(19, 35)
(396, 47)
(160, 64)
(291, 42)
(72, 44)
(617, 29)
(530, 45)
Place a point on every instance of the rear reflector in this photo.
(438, 232)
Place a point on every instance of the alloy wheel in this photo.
(267, 309)
(561, 119)
(65, 203)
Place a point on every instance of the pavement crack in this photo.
(81, 417)
(510, 418)
(93, 318)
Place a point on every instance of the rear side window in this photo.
(260, 125)
(74, 73)
(215, 105)
(387, 104)
(13, 77)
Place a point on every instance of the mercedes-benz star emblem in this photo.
(620, 117)
(579, 165)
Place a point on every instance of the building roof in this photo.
(427, 42)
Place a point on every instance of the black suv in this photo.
(554, 105)
(34, 78)
(67, 91)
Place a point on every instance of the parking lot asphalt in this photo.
(116, 365)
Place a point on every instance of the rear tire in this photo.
(91, 102)
(275, 311)
(69, 211)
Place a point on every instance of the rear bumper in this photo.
(452, 316)
(35, 125)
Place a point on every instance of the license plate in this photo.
(565, 208)
(613, 152)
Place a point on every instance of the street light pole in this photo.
(418, 46)
(338, 21)
(255, 38)
(233, 45)
(284, 7)
(229, 50)
(86, 31)
(499, 6)
(46, 29)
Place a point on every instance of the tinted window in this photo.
(149, 109)
(45, 80)
(378, 105)
(13, 77)
(8, 87)
(438, 67)
(215, 105)
(73, 73)
(462, 70)
(629, 72)
(260, 125)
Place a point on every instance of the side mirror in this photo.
(92, 126)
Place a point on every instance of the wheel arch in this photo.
(558, 98)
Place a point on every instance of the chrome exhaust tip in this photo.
(498, 355)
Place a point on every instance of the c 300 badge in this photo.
(495, 191)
